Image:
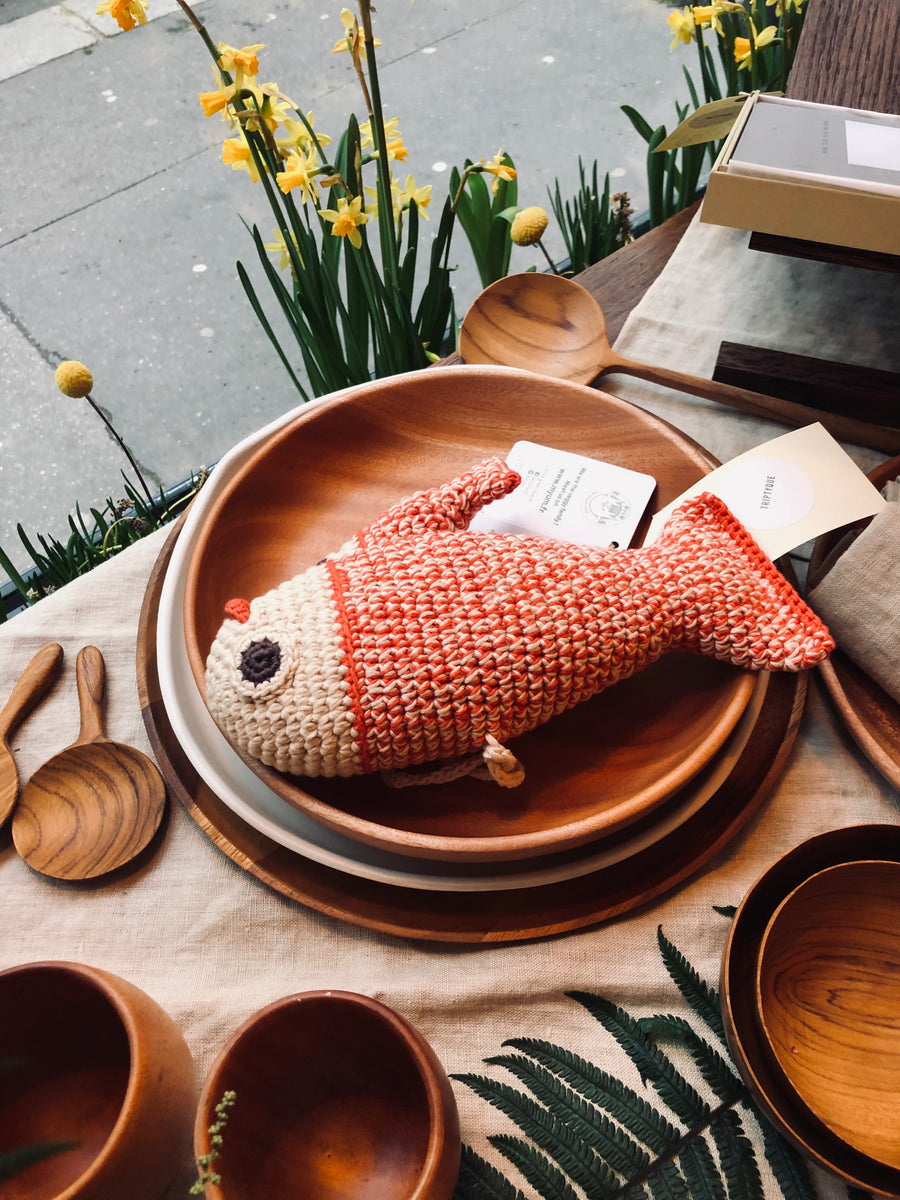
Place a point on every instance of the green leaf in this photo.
(703, 999)
(16, 579)
(714, 1069)
(544, 1177)
(641, 125)
(736, 1156)
(267, 328)
(478, 1180)
(788, 1167)
(700, 1172)
(666, 1182)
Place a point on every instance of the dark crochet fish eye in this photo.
(260, 661)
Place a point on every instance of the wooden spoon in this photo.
(30, 687)
(554, 326)
(93, 806)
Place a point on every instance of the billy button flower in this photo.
(528, 227)
(75, 380)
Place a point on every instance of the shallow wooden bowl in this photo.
(541, 323)
(828, 998)
(747, 1042)
(99, 1065)
(337, 1098)
(310, 487)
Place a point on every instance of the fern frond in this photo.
(790, 1171)
(714, 1068)
(703, 999)
(604, 1091)
(478, 1180)
(546, 1131)
(619, 1152)
(652, 1064)
(666, 1182)
(544, 1177)
(700, 1171)
(736, 1157)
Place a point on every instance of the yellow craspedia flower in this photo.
(528, 226)
(74, 379)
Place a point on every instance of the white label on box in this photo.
(873, 146)
(566, 497)
(787, 491)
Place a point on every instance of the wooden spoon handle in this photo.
(90, 674)
(30, 687)
(860, 433)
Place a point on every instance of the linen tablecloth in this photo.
(212, 945)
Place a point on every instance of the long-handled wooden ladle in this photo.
(29, 688)
(553, 326)
(96, 804)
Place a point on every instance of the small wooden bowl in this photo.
(746, 1040)
(315, 483)
(337, 1098)
(828, 998)
(541, 323)
(101, 1066)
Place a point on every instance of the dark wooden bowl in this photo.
(313, 485)
(99, 1066)
(749, 1048)
(337, 1098)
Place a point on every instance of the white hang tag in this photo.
(566, 497)
(787, 491)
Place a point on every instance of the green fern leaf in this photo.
(789, 1169)
(652, 1064)
(736, 1156)
(551, 1135)
(478, 1180)
(636, 1192)
(544, 1177)
(620, 1152)
(715, 1069)
(700, 1171)
(666, 1182)
(604, 1091)
(703, 999)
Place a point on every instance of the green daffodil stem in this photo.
(383, 178)
(112, 429)
(201, 29)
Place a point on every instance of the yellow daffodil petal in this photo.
(126, 13)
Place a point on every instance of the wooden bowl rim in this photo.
(414, 843)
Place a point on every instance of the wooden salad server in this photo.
(30, 687)
(95, 805)
(553, 326)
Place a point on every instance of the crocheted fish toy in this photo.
(421, 641)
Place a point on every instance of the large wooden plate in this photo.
(312, 485)
(871, 716)
(474, 916)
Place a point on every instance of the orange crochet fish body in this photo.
(419, 640)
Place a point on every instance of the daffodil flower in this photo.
(742, 46)
(239, 62)
(218, 100)
(782, 6)
(298, 172)
(297, 135)
(279, 246)
(351, 40)
(708, 14)
(236, 154)
(367, 138)
(682, 26)
(500, 170)
(127, 13)
(372, 207)
(422, 196)
(347, 219)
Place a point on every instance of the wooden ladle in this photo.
(96, 804)
(29, 688)
(553, 326)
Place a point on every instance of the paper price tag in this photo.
(787, 491)
(566, 497)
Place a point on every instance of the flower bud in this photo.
(74, 379)
(528, 226)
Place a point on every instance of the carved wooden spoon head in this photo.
(541, 323)
(93, 806)
(30, 687)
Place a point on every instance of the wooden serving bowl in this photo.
(314, 484)
(337, 1098)
(828, 999)
(100, 1065)
(746, 1039)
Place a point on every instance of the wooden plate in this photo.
(872, 716)
(746, 1040)
(473, 916)
(312, 485)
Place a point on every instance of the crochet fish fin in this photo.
(444, 509)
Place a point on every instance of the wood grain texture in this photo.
(871, 716)
(849, 55)
(828, 998)
(744, 1035)
(375, 1107)
(844, 256)
(467, 916)
(94, 806)
(591, 770)
(34, 682)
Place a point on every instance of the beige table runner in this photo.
(212, 944)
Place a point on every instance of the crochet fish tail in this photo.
(737, 606)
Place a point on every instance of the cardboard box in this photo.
(798, 204)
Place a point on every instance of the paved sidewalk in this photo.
(120, 227)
